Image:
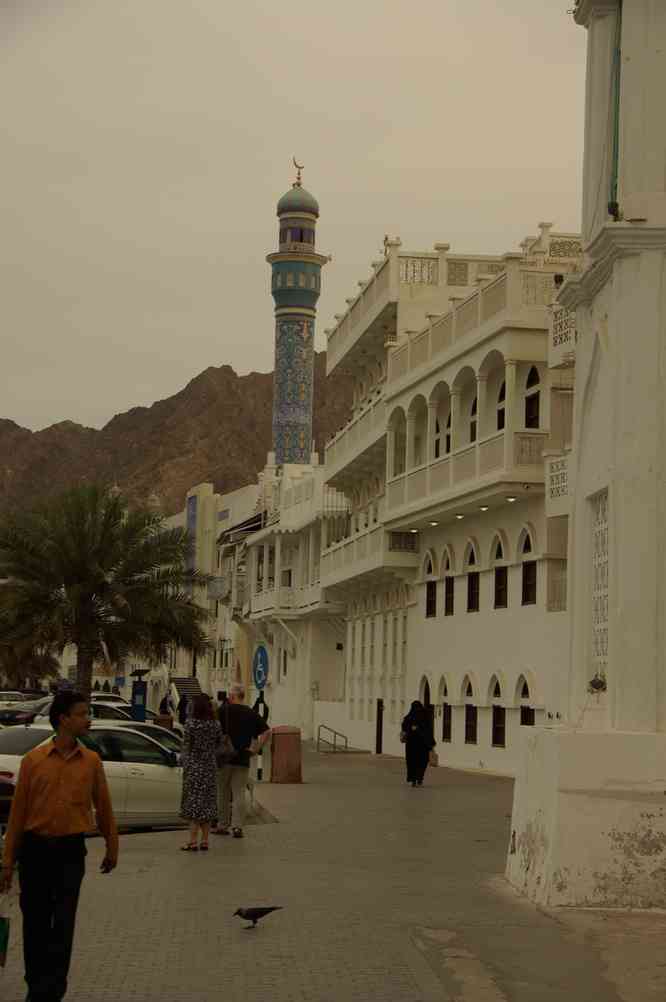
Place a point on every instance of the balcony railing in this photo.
(516, 291)
(488, 458)
(558, 485)
(358, 435)
(563, 338)
(368, 551)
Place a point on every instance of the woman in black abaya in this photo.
(417, 736)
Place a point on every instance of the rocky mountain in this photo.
(216, 429)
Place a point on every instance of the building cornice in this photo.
(298, 256)
(613, 242)
(585, 10)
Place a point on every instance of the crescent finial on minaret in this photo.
(299, 168)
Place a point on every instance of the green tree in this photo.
(20, 663)
(112, 581)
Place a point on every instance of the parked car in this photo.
(145, 777)
(24, 713)
(8, 697)
(108, 697)
(104, 711)
(170, 739)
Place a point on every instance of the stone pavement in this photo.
(390, 894)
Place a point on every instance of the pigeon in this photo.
(254, 914)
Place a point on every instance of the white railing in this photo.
(514, 290)
(563, 337)
(558, 486)
(363, 429)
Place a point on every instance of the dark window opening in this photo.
(527, 544)
(448, 435)
(499, 552)
(525, 691)
(471, 724)
(471, 559)
(532, 378)
(473, 591)
(501, 400)
(497, 691)
(499, 727)
(529, 582)
(446, 722)
(437, 439)
(501, 587)
(448, 595)
(472, 421)
(469, 691)
(527, 716)
(532, 410)
(431, 599)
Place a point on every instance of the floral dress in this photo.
(199, 801)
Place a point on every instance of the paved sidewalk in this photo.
(390, 894)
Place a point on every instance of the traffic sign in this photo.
(260, 667)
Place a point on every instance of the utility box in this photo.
(286, 755)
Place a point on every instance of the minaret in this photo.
(295, 284)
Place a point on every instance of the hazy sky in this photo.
(144, 144)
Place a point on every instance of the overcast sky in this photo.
(144, 144)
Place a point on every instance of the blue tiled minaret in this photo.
(295, 284)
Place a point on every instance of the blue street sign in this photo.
(260, 667)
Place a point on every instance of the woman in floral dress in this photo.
(199, 802)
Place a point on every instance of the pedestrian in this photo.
(59, 783)
(247, 733)
(199, 801)
(183, 708)
(166, 706)
(417, 736)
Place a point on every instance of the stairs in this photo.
(188, 686)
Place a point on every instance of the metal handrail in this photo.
(333, 743)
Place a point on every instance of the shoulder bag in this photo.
(225, 752)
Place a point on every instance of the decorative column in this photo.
(456, 430)
(411, 427)
(481, 418)
(510, 412)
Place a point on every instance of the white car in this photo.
(145, 778)
(8, 698)
(109, 697)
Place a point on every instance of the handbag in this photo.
(225, 751)
(4, 930)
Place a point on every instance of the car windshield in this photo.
(19, 740)
(165, 738)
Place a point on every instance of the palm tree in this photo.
(87, 570)
(20, 663)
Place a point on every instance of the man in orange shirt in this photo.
(58, 785)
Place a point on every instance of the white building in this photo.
(589, 825)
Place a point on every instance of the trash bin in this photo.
(286, 755)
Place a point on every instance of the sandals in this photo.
(190, 847)
(203, 846)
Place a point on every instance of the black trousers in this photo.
(50, 875)
(416, 758)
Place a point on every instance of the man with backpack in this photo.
(243, 733)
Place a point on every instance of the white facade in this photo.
(588, 821)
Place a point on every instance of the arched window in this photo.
(471, 716)
(469, 691)
(532, 395)
(501, 407)
(497, 690)
(499, 551)
(448, 435)
(529, 573)
(473, 583)
(472, 421)
(501, 579)
(525, 690)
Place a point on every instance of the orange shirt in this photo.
(54, 796)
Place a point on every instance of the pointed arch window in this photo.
(497, 690)
(473, 583)
(532, 398)
(473, 420)
(529, 596)
(501, 407)
(501, 579)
